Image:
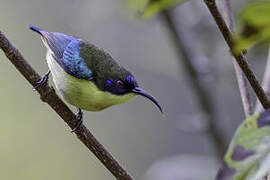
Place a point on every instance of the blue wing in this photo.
(66, 50)
(73, 63)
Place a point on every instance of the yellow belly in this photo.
(82, 93)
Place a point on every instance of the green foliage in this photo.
(137, 5)
(151, 7)
(248, 156)
(254, 23)
(156, 6)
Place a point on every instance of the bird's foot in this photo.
(79, 117)
(43, 80)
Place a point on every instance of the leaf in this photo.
(248, 156)
(148, 8)
(137, 5)
(155, 6)
(254, 22)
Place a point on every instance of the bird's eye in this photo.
(120, 84)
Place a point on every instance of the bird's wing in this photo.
(73, 63)
(66, 51)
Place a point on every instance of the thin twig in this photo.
(239, 57)
(49, 96)
(241, 79)
(265, 83)
(195, 66)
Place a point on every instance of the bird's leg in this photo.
(79, 117)
(44, 79)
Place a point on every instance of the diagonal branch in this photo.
(242, 81)
(198, 70)
(49, 96)
(240, 58)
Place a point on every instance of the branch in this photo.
(240, 58)
(197, 68)
(265, 83)
(242, 81)
(49, 96)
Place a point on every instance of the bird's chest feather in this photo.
(80, 92)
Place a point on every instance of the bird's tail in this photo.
(54, 41)
(36, 29)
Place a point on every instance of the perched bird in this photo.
(86, 76)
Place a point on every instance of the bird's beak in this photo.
(147, 95)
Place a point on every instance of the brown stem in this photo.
(241, 79)
(240, 58)
(49, 96)
(198, 70)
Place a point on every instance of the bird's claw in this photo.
(43, 80)
(79, 117)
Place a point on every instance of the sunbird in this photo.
(86, 76)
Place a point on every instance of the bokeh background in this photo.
(36, 144)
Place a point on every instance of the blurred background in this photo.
(36, 144)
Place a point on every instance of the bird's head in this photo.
(123, 82)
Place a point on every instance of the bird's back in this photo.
(80, 58)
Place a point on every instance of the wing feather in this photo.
(66, 51)
(73, 63)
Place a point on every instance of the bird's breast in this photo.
(80, 92)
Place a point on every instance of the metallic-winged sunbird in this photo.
(86, 76)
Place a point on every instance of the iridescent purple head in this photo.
(128, 85)
(121, 86)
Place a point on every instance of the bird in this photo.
(86, 76)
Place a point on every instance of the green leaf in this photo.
(155, 6)
(137, 5)
(254, 23)
(248, 156)
(151, 7)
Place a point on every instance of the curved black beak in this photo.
(148, 96)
